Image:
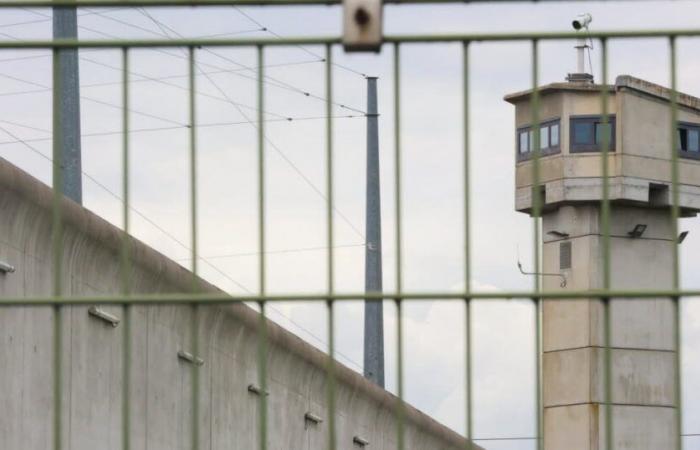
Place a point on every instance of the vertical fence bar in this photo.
(57, 252)
(536, 212)
(399, 277)
(467, 251)
(331, 255)
(605, 225)
(125, 261)
(262, 332)
(193, 223)
(675, 213)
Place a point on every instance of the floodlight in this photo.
(682, 236)
(637, 231)
(559, 234)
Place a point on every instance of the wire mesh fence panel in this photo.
(603, 176)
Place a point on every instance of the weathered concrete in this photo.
(640, 162)
(160, 382)
(643, 353)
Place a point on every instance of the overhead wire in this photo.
(301, 47)
(156, 129)
(269, 80)
(278, 252)
(140, 80)
(82, 58)
(278, 150)
(175, 239)
(163, 27)
(218, 270)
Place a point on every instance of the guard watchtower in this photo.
(642, 237)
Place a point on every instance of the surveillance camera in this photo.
(582, 21)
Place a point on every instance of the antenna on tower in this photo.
(580, 23)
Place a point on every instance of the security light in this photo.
(559, 234)
(682, 236)
(6, 268)
(637, 231)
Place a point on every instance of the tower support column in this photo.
(642, 337)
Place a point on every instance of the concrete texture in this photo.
(643, 353)
(160, 381)
(642, 156)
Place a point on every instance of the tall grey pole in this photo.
(66, 81)
(374, 309)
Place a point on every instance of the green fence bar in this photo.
(675, 213)
(262, 339)
(469, 424)
(330, 264)
(59, 299)
(400, 413)
(125, 259)
(57, 252)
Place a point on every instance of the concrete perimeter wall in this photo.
(160, 381)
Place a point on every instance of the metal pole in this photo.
(66, 80)
(374, 309)
(580, 53)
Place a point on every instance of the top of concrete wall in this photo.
(520, 96)
(655, 90)
(18, 187)
(621, 82)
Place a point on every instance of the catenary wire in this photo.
(301, 47)
(156, 129)
(94, 180)
(140, 80)
(176, 240)
(277, 149)
(269, 80)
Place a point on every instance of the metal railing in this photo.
(331, 296)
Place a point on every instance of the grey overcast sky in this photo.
(432, 151)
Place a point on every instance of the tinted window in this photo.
(693, 141)
(601, 130)
(544, 138)
(523, 142)
(589, 132)
(548, 139)
(554, 135)
(583, 132)
(689, 140)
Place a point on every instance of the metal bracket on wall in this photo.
(359, 441)
(257, 390)
(362, 25)
(544, 274)
(98, 313)
(189, 357)
(313, 418)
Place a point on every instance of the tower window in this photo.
(689, 140)
(548, 140)
(589, 133)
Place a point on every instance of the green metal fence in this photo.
(394, 43)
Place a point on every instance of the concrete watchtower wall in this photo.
(160, 383)
(643, 353)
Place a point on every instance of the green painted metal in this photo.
(58, 301)
(125, 261)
